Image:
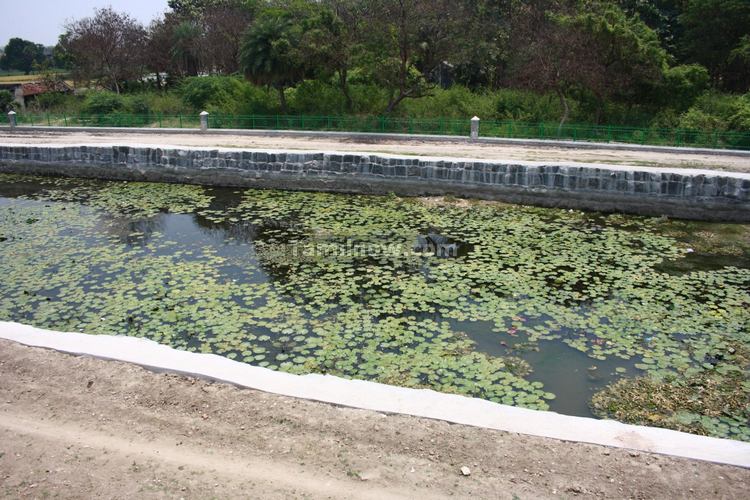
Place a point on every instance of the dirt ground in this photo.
(415, 147)
(78, 427)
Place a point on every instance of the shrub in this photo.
(6, 101)
(714, 103)
(666, 119)
(50, 100)
(682, 85)
(102, 103)
(166, 103)
(454, 102)
(139, 105)
(714, 112)
(313, 97)
(212, 93)
(696, 119)
(254, 100)
(740, 119)
(530, 107)
(368, 99)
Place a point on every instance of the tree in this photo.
(271, 53)
(190, 8)
(21, 55)
(625, 50)
(108, 48)
(588, 46)
(60, 56)
(738, 66)
(409, 39)
(547, 54)
(197, 8)
(712, 31)
(659, 15)
(159, 48)
(682, 85)
(6, 101)
(186, 49)
(332, 38)
(482, 60)
(224, 24)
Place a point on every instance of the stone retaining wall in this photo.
(697, 194)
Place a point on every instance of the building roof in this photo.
(36, 88)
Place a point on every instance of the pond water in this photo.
(533, 307)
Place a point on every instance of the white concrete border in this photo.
(376, 136)
(386, 398)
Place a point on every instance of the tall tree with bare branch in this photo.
(108, 48)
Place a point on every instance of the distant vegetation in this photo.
(664, 63)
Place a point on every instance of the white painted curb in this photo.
(380, 136)
(386, 398)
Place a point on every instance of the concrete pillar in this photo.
(475, 128)
(12, 119)
(204, 121)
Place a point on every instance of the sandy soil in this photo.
(455, 149)
(75, 427)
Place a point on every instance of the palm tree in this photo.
(271, 54)
(185, 52)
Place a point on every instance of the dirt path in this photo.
(75, 427)
(455, 149)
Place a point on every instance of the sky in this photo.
(41, 21)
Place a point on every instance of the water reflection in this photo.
(570, 374)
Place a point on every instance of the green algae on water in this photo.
(338, 284)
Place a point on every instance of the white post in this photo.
(475, 128)
(204, 121)
(12, 119)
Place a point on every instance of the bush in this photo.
(313, 97)
(230, 95)
(531, 107)
(212, 93)
(139, 104)
(714, 112)
(6, 101)
(696, 119)
(740, 119)
(165, 103)
(368, 99)
(454, 102)
(49, 100)
(682, 85)
(255, 100)
(666, 119)
(102, 103)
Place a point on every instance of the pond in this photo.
(645, 320)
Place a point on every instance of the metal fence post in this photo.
(475, 128)
(204, 120)
(12, 120)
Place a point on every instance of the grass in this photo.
(21, 78)
(697, 404)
